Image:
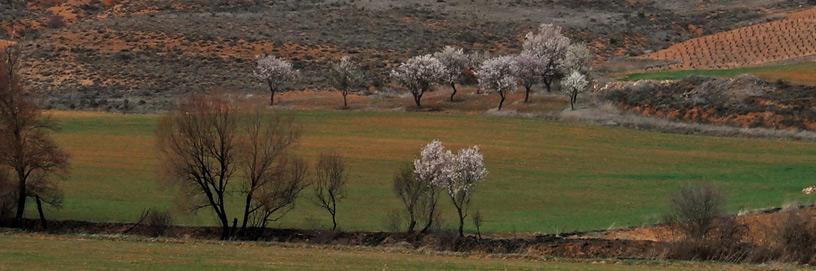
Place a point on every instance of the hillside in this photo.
(139, 55)
(790, 38)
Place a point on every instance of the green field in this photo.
(803, 73)
(43, 252)
(545, 176)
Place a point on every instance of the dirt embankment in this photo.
(746, 102)
(631, 243)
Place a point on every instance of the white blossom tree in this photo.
(276, 73)
(496, 75)
(432, 168)
(455, 62)
(462, 173)
(577, 58)
(346, 76)
(549, 45)
(418, 75)
(574, 84)
(526, 68)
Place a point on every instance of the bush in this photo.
(695, 209)
(55, 21)
(795, 237)
(723, 243)
(157, 222)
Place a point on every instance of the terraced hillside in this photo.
(790, 38)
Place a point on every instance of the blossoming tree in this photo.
(496, 74)
(276, 72)
(574, 83)
(455, 62)
(418, 75)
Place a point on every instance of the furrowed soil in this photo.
(793, 37)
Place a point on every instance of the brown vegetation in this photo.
(208, 142)
(29, 157)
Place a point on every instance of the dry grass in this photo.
(48, 252)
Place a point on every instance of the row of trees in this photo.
(211, 145)
(547, 57)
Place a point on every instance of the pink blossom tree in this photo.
(549, 46)
(430, 169)
(276, 73)
(525, 68)
(461, 175)
(418, 75)
(496, 74)
(574, 84)
(346, 76)
(455, 62)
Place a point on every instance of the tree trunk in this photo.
(21, 201)
(430, 218)
(418, 99)
(548, 84)
(246, 211)
(573, 97)
(501, 102)
(234, 227)
(272, 95)
(453, 86)
(526, 94)
(411, 225)
(461, 222)
(43, 222)
(334, 220)
(345, 103)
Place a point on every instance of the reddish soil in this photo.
(745, 102)
(789, 38)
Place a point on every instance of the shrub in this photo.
(55, 21)
(795, 237)
(695, 209)
(157, 222)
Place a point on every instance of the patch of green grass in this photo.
(545, 176)
(804, 73)
(45, 252)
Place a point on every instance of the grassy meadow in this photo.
(801, 73)
(44, 252)
(545, 176)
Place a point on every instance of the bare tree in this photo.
(346, 76)
(273, 177)
(415, 194)
(330, 183)
(26, 146)
(209, 142)
(276, 198)
(198, 145)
